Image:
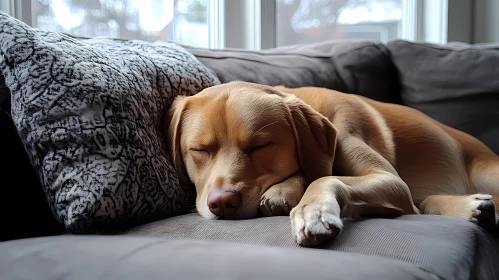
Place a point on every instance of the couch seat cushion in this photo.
(449, 247)
(125, 257)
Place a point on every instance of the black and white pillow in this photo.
(90, 115)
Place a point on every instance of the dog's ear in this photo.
(315, 138)
(173, 127)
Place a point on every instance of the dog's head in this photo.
(234, 141)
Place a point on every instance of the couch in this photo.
(455, 83)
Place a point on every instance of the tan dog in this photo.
(320, 155)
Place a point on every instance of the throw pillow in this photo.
(89, 112)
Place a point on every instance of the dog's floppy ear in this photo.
(173, 127)
(315, 138)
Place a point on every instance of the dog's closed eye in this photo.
(207, 148)
(199, 152)
(259, 147)
(262, 146)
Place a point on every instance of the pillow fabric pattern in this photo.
(90, 113)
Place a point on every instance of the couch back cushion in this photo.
(360, 67)
(456, 84)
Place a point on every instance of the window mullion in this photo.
(216, 24)
(434, 23)
(411, 11)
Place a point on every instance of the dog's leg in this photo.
(477, 208)
(484, 174)
(317, 216)
(374, 190)
(280, 198)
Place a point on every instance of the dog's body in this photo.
(321, 155)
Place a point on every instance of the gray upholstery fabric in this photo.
(359, 67)
(448, 247)
(97, 257)
(457, 84)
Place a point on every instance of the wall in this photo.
(460, 20)
(485, 21)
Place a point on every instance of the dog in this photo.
(319, 155)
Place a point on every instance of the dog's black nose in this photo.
(224, 203)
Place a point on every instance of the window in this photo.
(183, 21)
(308, 21)
(251, 24)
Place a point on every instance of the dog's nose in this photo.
(224, 203)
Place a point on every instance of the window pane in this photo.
(183, 21)
(309, 21)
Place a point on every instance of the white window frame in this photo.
(251, 24)
(18, 9)
(216, 24)
(435, 15)
(410, 19)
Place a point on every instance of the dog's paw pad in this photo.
(486, 214)
(483, 211)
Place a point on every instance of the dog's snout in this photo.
(224, 203)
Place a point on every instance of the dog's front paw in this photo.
(279, 199)
(278, 202)
(482, 210)
(315, 223)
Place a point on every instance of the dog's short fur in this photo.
(320, 155)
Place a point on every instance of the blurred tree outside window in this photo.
(183, 21)
(310, 21)
(188, 21)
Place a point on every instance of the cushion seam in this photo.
(442, 48)
(284, 54)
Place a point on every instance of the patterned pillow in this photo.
(90, 114)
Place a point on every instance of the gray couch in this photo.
(455, 83)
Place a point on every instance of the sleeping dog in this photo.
(319, 155)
